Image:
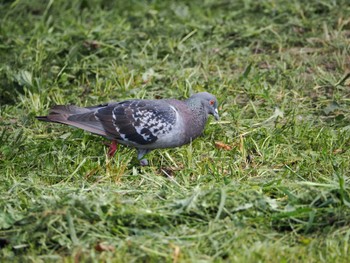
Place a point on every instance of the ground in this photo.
(269, 182)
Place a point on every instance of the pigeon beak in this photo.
(216, 115)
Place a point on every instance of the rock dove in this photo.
(143, 124)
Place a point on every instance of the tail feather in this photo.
(42, 118)
(82, 118)
(68, 109)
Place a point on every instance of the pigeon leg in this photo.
(112, 149)
(140, 154)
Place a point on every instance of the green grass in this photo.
(279, 70)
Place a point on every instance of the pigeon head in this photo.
(209, 103)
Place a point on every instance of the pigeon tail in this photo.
(82, 118)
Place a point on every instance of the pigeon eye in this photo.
(211, 102)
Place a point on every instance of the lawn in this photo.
(269, 182)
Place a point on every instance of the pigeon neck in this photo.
(194, 104)
(198, 111)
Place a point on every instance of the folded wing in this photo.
(137, 122)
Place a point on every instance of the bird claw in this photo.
(143, 162)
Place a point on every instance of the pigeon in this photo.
(143, 124)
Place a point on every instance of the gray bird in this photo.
(143, 124)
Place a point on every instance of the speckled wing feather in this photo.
(137, 122)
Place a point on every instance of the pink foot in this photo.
(112, 149)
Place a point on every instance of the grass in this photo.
(277, 190)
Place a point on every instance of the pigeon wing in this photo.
(138, 122)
